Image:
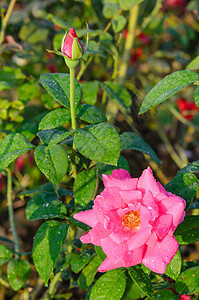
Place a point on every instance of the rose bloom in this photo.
(133, 220)
(187, 108)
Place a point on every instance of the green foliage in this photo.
(12, 146)
(188, 231)
(89, 91)
(130, 140)
(85, 186)
(118, 23)
(47, 245)
(108, 169)
(167, 87)
(110, 285)
(100, 143)
(174, 267)
(187, 282)
(58, 86)
(5, 255)
(90, 114)
(117, 92)
(18, 273)
(54, 119)
(53, 162)
(80, 260)
(184, 185)
(141, 279)
(45, 205)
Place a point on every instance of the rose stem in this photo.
(5, 20)
(72, 113)
(129, 42)
(11, 212)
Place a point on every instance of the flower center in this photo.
(131, 219)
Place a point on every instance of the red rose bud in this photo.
(71, 45)
(187, 109)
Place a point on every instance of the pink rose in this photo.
(133, 220)
(71, 45)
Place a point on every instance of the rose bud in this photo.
(71, 45)
(71, 48)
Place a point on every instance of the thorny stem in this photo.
(72, 112)
(129, 42)
(5, 20)
(11, 212)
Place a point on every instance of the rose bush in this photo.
(133, 220)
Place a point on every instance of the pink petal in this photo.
(114, 251)
(131, 195)
(162, 226)
(156, 258)
(149, 202)
(108, 264)
(88, 217)
(148, 182)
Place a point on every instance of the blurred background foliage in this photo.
(130, 50)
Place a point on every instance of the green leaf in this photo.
(132, 291)
(188, 231)
(58, 86)
(196, 96)
(12, 75)
(127, 4)
(79, 261)
(5, 255)
(167, 87)
(174, 267)
(55, 118)
(190, 167)
(4, 239)
(88, 273)
(194, 64)
(100, 143)
(89, 91)
(164, 294)
(47, 245)
(48, 134)
(100, 253)
(58, 137)
(142, 280)
(118, 23)
(12, 146)
(53, 162)
(84, 186)
(184, 185)
(108, 169)
(45, 205)
(90, 114)
(117, 92)
(4, 85)
(130, 140)
(18, 273)
(110, 10)
(187, 282)
(27, 91)
(110, 285)
(47, 187)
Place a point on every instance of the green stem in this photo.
(72, 92)
(53, 284)
(129, 42)
(5, 20)
(72, 113)
(84, 65)
(11, 212)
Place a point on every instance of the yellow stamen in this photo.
(131, 219)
